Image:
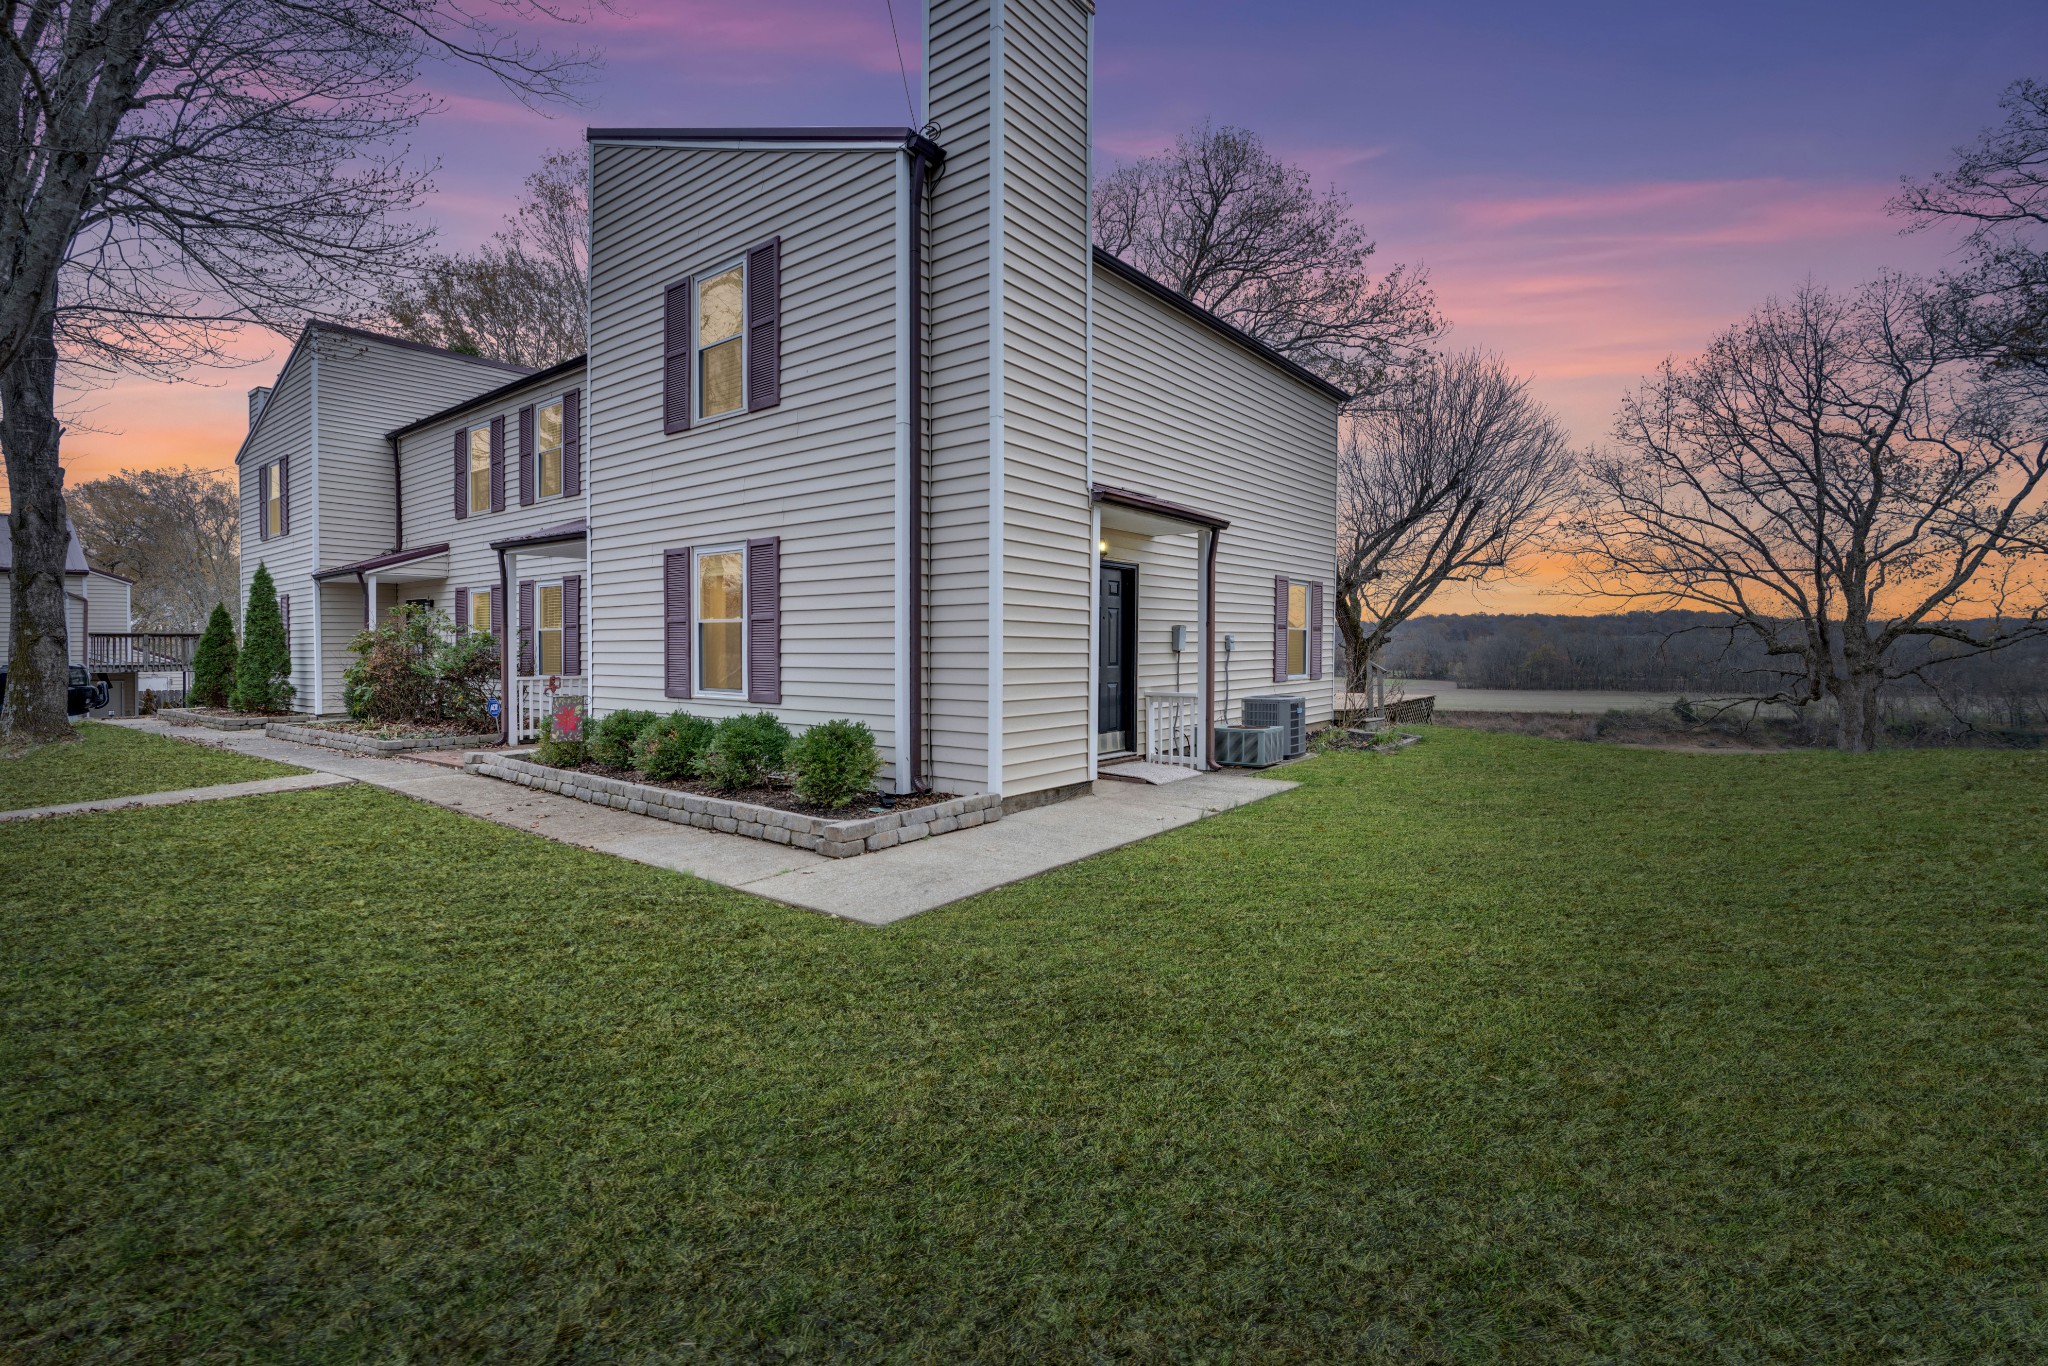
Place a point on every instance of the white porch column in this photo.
(369, 601)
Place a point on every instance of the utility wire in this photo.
(901, 69)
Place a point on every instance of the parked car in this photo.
(81, 698)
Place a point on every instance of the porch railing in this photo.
(1173, 728)
(146, 652)
(537, 697)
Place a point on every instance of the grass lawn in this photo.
(1495, 1049)
(113, 761)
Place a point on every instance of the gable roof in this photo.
(361, 334)
(489, 397)
(74, 553)
(1181, 303)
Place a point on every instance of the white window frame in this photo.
(697, 621)
(540, 452)
(697, 348)
(539, 669)
(1307, 627)
(470, 470)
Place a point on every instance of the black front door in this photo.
(1117, 659)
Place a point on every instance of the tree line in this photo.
(1701, 655)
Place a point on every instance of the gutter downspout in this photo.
(505, 698)
(397, 498)
(914, 555)
(1209, 653)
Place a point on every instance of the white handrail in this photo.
(1172, 731)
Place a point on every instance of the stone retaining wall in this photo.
(180, 716)
(366, 744)
(832, 838)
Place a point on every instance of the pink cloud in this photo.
(833, 31)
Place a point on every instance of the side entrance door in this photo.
(1116, 649)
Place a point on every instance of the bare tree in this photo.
(1836, 475)
(1243, 234)
(1452, 480)
(1999, 190)
(176, 170)
(174, 532)
(519, 297)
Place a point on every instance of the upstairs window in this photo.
(479, 469)
(273, 500)
(548, 429)
(721, 342)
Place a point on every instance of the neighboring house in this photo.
(97, 617)
(867, 430)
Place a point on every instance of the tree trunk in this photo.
(38, 672)
(1856, 714)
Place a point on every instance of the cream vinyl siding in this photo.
(429, 464)
(366, 389)
(956, 402)
(819, 470)
(286, 429)
(1184, 414)
(112, 609)
(1048, 573)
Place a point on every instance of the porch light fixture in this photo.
(1102, 547)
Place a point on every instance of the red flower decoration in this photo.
(567, 722)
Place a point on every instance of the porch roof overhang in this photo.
(562, 539)
(1146, 515)
(424, 564)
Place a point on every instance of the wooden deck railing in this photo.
(140, 651)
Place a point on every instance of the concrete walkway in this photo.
(294, 782)
(874, 888)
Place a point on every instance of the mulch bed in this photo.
(779, 796)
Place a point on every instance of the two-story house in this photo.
(867, 429)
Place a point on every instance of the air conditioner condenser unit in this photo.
(1288, 711)
(1250, 746)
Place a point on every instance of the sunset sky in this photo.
(1592, 187)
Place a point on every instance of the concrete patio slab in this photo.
(875, 889)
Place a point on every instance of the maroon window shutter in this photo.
(284, 495)
(764, 325)
(529, 657)
(572, 624)
(526, 456)
(461, 472)
(675, 361)
(572, 444)
(263, 502)
(1315, 629)
(498, 621)
(675, 593)
(1279, 628)
(497, 464)
(764, 620)
(462, 609)
(284, 612)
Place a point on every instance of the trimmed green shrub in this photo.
(672, 747)
(611, 740)
(213, 663)
(835, 762)
(263, 670)
(564, 751)
(744, 750)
